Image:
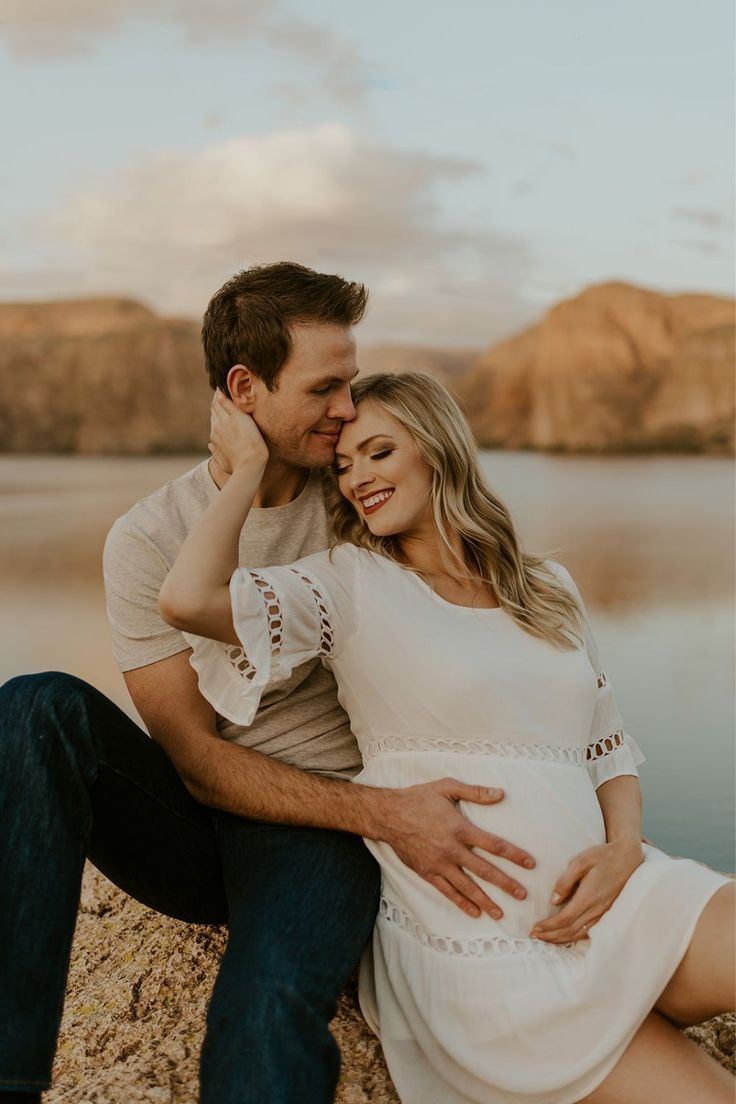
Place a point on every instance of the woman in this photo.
(457, 654)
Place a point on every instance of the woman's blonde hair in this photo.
(462, 504)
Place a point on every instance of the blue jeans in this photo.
(79, 779)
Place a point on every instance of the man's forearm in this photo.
(250, 784)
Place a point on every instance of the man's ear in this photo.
(241, 386)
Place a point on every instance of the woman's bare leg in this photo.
(660, 1064)
(704, 984)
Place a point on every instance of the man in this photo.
(206, 821)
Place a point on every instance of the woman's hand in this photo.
(235, 440)
(588, 888)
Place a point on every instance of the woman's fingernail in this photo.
(556, 898)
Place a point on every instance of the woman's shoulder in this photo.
(564, 578)
(340, 562)
(559, 571)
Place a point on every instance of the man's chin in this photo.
(314, 455)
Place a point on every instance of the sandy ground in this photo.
(135, 1007)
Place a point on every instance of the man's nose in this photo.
(342, 409)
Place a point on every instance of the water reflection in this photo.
(649, 541)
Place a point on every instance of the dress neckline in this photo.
(433, 593)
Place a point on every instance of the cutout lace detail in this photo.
(602, 680)
(240, 662)
(572, 756)
(604, 746)
(236, 655)
(395, 916)
(273, 609)
(326, 635)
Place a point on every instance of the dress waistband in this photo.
(398, 918)
(571, 756)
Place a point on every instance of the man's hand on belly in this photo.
(431, 836)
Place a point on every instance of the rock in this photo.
(108, 376)
(72, 317)
(617, 368)
(138, 989)
(134, 1015)
(444, 365)
(136, 389)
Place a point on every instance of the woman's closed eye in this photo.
(343, 468)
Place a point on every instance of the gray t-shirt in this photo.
(300, 721)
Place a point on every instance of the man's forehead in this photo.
(328, 335)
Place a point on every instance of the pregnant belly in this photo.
(549, 809)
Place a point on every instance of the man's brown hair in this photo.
(248, 320)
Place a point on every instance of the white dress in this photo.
(473, 1009)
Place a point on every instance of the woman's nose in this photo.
(360, 477)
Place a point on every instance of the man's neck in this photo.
(281, 483)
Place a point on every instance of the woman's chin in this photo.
(382, 528)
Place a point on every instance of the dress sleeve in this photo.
(283, 617)
(611, 751)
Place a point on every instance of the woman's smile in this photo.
(375, 500)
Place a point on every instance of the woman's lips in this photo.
(377, 501)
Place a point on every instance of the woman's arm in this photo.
(621, 805)
(195, 596)
(594, 878)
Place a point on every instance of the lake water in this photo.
(648, 540)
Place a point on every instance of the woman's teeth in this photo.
(372, 503)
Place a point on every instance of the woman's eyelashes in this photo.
(374, 456)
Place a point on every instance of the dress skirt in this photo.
(472, 1010)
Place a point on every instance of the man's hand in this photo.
(431, 836)
(589, 885)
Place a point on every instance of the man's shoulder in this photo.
(164, 517)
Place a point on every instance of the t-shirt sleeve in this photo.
(611, 751)
(134, 571)
(283, 617)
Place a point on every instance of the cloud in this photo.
(704, 217)
(173, 227)
(49, 29)
(693, 177)
(707, 248)
(562, 149)
(54, 28)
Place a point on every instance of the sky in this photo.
(473, 162)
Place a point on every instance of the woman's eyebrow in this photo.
(363, 444)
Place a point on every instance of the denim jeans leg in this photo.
(302, 905)
(77, 778)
